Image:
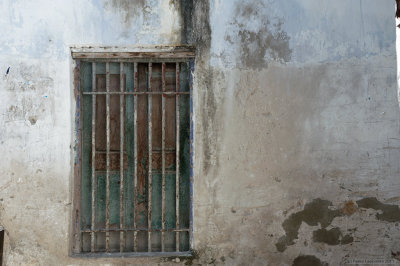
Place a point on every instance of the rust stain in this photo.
(349, 208)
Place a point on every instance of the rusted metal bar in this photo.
(177, 158)
(108, 157)
(135, 155)
(133, 255)
(94, 183)
(163, 158)
(135, 230)
(121, 148)
(149, 117)
(134, 60)
(135, 93)
(191, 72)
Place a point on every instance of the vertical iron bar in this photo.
(135, 155)
(108, 158)
(150, 159)
(121, 158)
(1, 245)
(94, 183)
(177, 120)
(191, 72)
(163, 159)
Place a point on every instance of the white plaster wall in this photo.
(294, 101)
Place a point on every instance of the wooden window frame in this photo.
(142, 54)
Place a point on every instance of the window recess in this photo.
(132, 186)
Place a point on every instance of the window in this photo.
(132, 185)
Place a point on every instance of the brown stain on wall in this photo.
(349, 207)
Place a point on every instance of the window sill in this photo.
(133, 254)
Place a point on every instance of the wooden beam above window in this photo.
(134, 52)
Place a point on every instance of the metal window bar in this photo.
(191, 72)
(149, 180)
(163, 159)
(108, 158)
(121, 159)
(123, 229)
(93, 235)
(177, 158)
(135, 155)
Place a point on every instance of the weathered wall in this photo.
(297, 141)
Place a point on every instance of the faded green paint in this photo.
(86, 85)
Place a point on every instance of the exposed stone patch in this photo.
(308, 260)
(314, 213)
(390, 213)
(331, 237)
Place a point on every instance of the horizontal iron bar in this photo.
(158, 171)
(132, 254)
(135, 60)
(111, 152)
(134, 230)
(135, 93)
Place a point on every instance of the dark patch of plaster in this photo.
(331, 237)
(196, 30)
(127, 8)
(308, 260)
(390, 213)
(268, 42)
(186, 11)
(314, 213)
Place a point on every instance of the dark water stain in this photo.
(308, 260)
(314, 213)
(196, 30)
(331, 237)
(269, 41)
(127, 8)
(390, 213)
(186, 8)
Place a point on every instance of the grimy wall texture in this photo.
(297, 141)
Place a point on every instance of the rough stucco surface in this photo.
(297, 141)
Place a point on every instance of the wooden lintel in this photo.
(142, 52)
